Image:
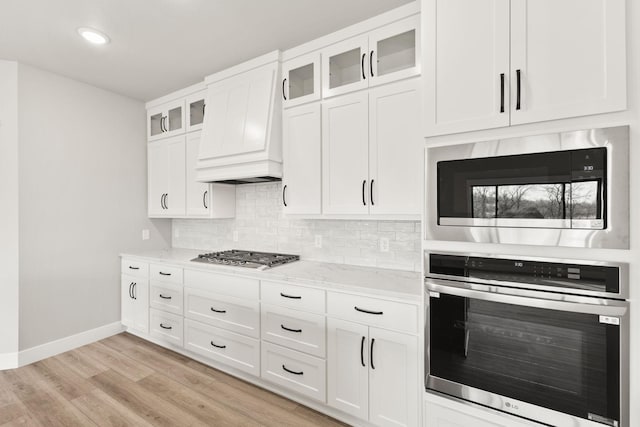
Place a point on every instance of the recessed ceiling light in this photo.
(93, 36)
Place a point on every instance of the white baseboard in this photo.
(33, 354)
(8, 361)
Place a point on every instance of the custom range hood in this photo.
(241, 139)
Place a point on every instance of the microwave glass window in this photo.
(560, 360)
(484, 201)
(521, 201)
(585, 200)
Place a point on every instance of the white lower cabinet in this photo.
(300, 372)
(294, 329)
(373, 373)
(442, 411)
(166, 297)
(235, 350)
(166, 327)
(135, 302)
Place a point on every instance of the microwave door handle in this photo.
(467, 334)
(612, 307)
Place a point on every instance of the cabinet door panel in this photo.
(393, 378)
(345, 154)
(301, 80)
(344, 67)
(463, 68)
(157, 177)
(394, 51)
(571, 57)
(396, 149)
(140, 305)
(348, 379)
(301, 184)
(175, 198)
(197, 193)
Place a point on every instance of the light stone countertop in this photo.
(396, 284)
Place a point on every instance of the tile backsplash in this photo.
(261, 225)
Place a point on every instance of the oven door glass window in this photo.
(564, 361)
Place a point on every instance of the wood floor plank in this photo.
(66, 381)
(114, 360)
(106, 411)
(82, 364)
(12, 412)
(141, 401)
(23, 421)
(209, 411)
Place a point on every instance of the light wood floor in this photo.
(126, 381)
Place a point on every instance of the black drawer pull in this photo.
(164, 274)
(289, 296)
(292, 372)
(362, 310)
(134, 268)
(218, 346)
(163, 297)
(299, 331)
(165, 327)
(218, 311)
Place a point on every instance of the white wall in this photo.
(261, 225)
(9, 206)
(83, 193)
(629, 117)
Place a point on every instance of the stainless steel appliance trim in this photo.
(623, 269)
(507, 222)
(524, 409)
(615, 236)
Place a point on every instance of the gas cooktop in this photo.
(249, 259)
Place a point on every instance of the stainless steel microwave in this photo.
(562, 189)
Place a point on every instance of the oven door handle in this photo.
(603, 307)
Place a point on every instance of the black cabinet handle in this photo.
(362, 352)
(364, 201)
(133, 290)
(289, 296)
(371, 63)
(218, 311)
(204, 199)
(162, 201)
(502, 93)
(162, 124)
(284, 200)
(362, 310)
(292, 372)
(371, 192)
(518, 88)
(203, 107)
(299, 331)
(166, 200)
(165, 327)
(283, 94)
(371, 353)
(164, 274)
(133, 268)
(217, 346)
(364, 76)
(163, 297)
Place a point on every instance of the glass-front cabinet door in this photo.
(301, 80)
(195, 108)
(165, 120)
(394, 51)
(344, 67)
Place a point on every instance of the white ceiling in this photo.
(158, 46)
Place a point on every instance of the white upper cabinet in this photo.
(195, 108)
(520, 61)
(301, 80)
(166, 168)
(396, 149)
(238, 113)
(166, 120)
(571, 58)
(301, 182)
(389, 53)
(466, 73)
(345, 154)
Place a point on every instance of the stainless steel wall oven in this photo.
(563, 189)
(539, 338)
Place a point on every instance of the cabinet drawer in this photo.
(299, 372)
(223, 346)
(292, 296)
(134, 268)
(223, 284)
(373, 311)
(166, 326)
(166, 297)
(225, 312)
(298, 330)
(165, 273)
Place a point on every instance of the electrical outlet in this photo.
(145, 234)
(318, 242)
(235, 235)
(384, 244)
